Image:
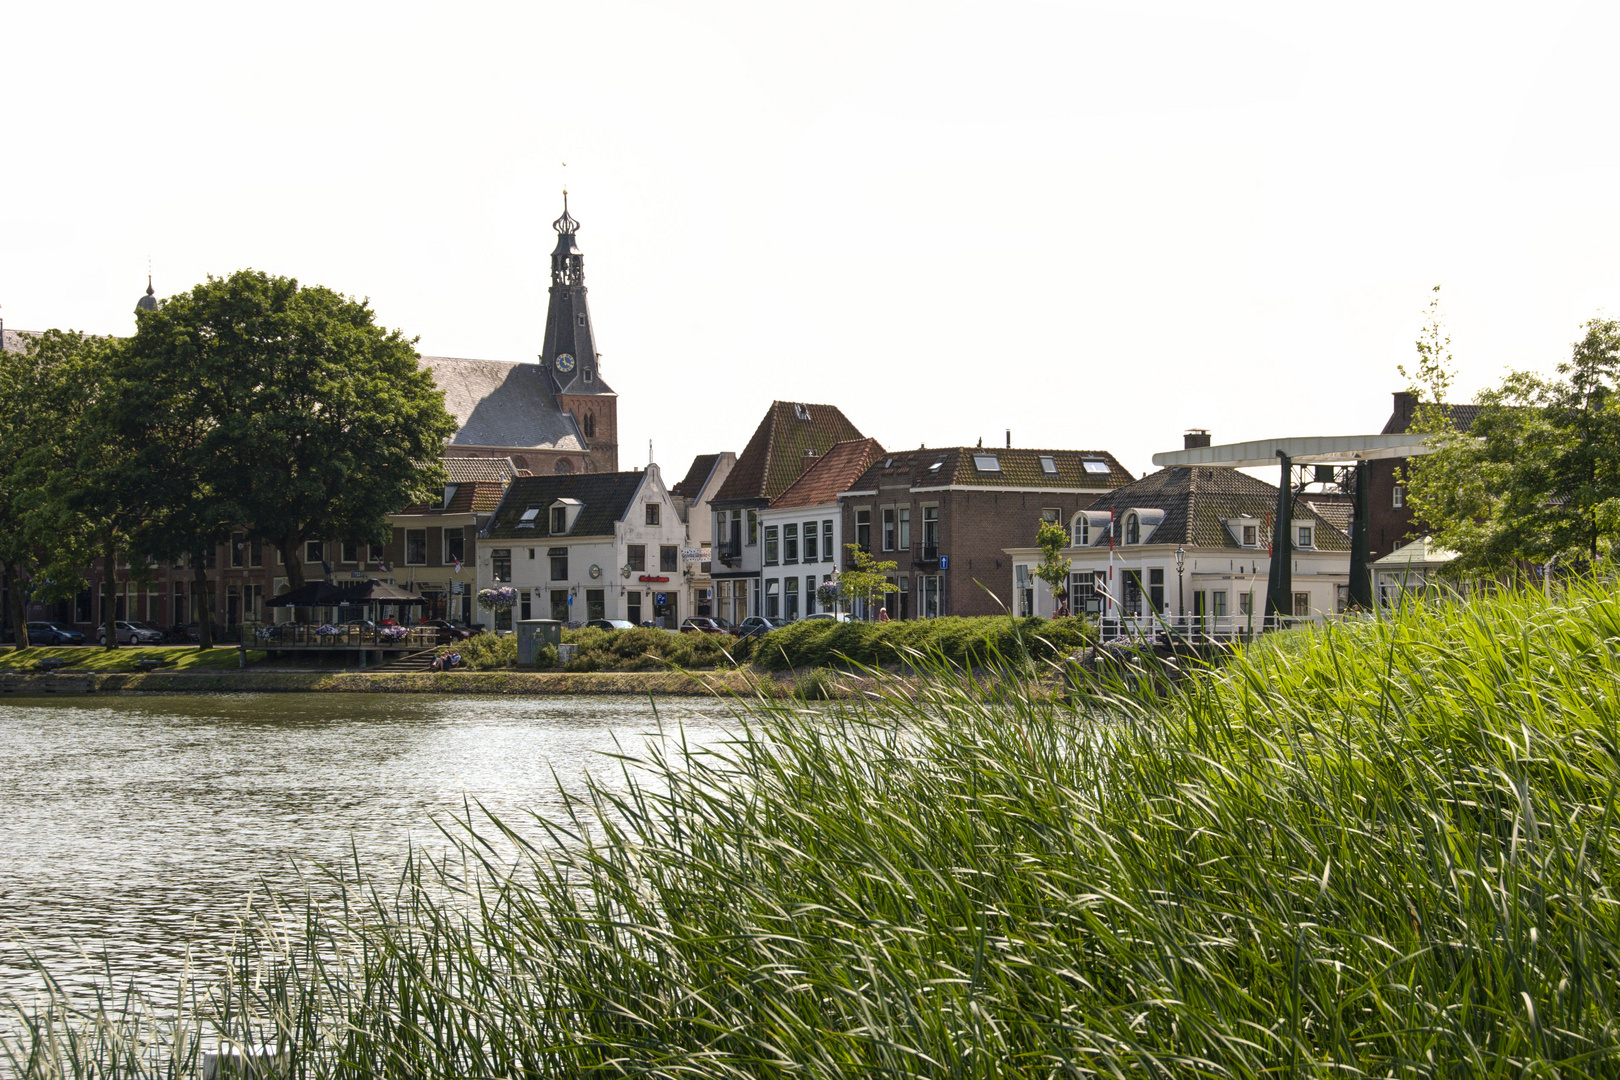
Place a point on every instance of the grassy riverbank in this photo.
(97, 659)
(269, 681)
(1388, 849)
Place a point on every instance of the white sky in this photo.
(1097, 224)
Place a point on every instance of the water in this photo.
(132, 828)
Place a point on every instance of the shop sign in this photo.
(651, 577)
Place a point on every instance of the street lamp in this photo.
(1181, 594)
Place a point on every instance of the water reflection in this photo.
(132, 826)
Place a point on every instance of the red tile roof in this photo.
(832, 472)
(775, 456)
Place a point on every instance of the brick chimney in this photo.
(1406, 404)
(1194, 438)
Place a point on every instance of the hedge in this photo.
(824, 643)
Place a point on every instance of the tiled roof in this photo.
(1335, 509)
(465, 470)
(12, 340)
(1400, 421)
(1013, 468)
(775, 456)
(479, 497)
(501, 404)
(832, 472)
(605, 497)
(1196, 501)
(691, 485)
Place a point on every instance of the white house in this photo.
(585, 546)
(801, 532)
(692, 495)
(1190, 545)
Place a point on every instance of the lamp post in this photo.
(1181, 594)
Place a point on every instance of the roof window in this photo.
(801, 411)
(527, 520)
(1097, 468)
(986, 463)
(1048, 466)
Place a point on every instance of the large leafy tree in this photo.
(1536, 478)
(294, 413)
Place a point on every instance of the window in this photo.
(773, 600)
(770, 545)
(636, 556)
(1156, 587)
(1133, 591)
(238, 552)
(587, 373)
(1399, 497)
(903, 542)
(1217, 604)
(1133, 529)
(455, 546)
(930, 536)
(1306, 536)
(986, 463)
(652, 513)
(810, 594)
(595, 604)
(888, 529)
(590, 425)
(790, 603)
(256, 552)
(863, 529)
(1082, 531)
(579, 320)
(1245, 603)
(526, 519)
(559, 520)
(790, 543)
(827, 552)
(500, 564)
(668, 558)
(313, 552)
(559, 563)
(1048, 466)
(1302, 604)
(415, 547)
(632, 607)
(753, 527)
(1251, 535)
(801, 411)
(932, 602)
(1097, 468)
(809, 541)
(1050, 515)
(525, 605)
(559, 605)
(531, 553)
(211, 560)
(349, 551)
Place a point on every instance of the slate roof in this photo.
(502, 404)
(1196, 501)
(832, 472)
(466, 470)
(775, 456)
(691, 485)
(605, 499)
(12, 340)
(1018, 468)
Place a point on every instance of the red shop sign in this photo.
(649, 577)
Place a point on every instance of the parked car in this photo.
(758, 626)
(130, 634)
(448, 631)
(703, 624)
(53, 633)
(610, 624)
(829, 616)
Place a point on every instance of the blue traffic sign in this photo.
(944, 562)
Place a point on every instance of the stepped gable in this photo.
(832, 472)
(604, 498)
(1197, 500)
(776, 455)
(691, 485)
(1015, 467)
(497, 403)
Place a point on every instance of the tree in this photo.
(869, 580)
(1054, 569)
(302, 417)
(1536, 477)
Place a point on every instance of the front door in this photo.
(559, 605)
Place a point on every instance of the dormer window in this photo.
(559, 520)
(1081, 530)
(986, 463)
(1133, 528)
(1306, 536)
(1048, 465)
(1251, 536)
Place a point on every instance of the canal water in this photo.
(135, 828)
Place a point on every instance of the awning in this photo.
(309, 594)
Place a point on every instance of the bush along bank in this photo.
(960, 641)
(1392, 851)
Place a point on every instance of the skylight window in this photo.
(1048, 466)
(527, 520)
(986, 463)
(1097, 468)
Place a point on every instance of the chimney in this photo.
(1405, 406)
(1193, 438)
(1009, 438)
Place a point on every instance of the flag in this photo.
(458, 566)
(1268, 534)
(1110, 536)
(326, 568)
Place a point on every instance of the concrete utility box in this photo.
(534, 633)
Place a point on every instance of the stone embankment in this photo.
(697, 684)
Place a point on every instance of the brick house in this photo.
(1390, 520)
(946, 516)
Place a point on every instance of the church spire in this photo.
(567, 262)
(570, 345)
(149, 301)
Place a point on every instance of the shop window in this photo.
(636, 556)
(669, 558)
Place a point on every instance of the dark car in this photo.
(757, 626)
(52, 633)
(448, 631)
(703, 624)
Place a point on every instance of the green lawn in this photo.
(95, 658)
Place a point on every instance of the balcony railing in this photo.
(730, 551)
(925, 556)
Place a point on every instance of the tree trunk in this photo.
(109, 591)
(17, 611)
(203, 601)
(294, 560)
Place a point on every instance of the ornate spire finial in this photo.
(566, 224)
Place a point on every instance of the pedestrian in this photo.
(883, 614)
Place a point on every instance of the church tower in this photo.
(570, 361)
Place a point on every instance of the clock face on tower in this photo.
(565, 363)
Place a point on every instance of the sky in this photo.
(1094, 224)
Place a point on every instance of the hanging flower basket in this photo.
(393, 633)
(500, 599)
(828, 593)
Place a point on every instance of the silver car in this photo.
(130, 634)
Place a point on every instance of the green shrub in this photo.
(484, 652)
(824, 643)
(647, 649)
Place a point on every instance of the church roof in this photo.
(832, 472)
(776, 455)
(604, 497)
(465, 470)
(1197, 500)
(13, 340)
(496, 403)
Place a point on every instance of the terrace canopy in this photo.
(309, 594)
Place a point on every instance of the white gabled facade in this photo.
(798, 550)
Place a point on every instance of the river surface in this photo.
(134, 828)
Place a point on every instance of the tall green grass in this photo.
(1389, 849)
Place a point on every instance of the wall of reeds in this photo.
(1387, 849)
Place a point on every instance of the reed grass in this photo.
(1384, 848)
